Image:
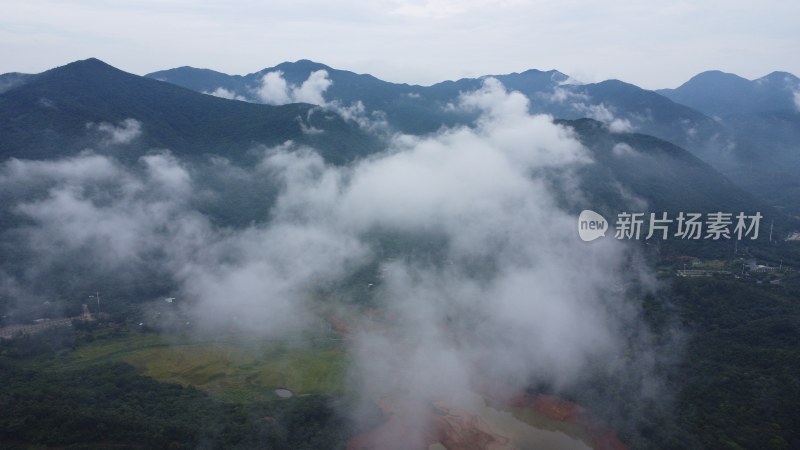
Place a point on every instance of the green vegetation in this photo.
(95, 387)
(740, 374)
(737, 380)
(729, 357)
(227, 370)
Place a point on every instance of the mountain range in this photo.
(60, 111)
(676, 146)
(421, 109)
(748, 130)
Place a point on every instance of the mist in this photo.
(490, 288)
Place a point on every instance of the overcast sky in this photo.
(652, 44)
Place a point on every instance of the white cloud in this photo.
(602, 113)
(274, 89)
(374, 121)
(122, 133)
(493, 284)
(429, 9)
(796, 96)
(86, 167)
(622, 149)
(563, 95)
(310, 129)
(75, 216)
(529, 316)
(225, 93)
(312, 90)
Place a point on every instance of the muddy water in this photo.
(529, 430)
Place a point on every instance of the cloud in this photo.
(603, 113)
(477, 271)
(563, 95)
(310, 129)
(444, 9)
(86, 167)
(275, 90)
(374, 121)
(312, 90)
(225, 93)
(796, 97)
(622, 149)
(122, 133)
(430, 9)
(95, 206)
(503, 290)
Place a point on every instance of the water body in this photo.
(283, 393)
(527, 429)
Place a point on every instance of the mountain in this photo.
(58, 113)
(11, 80)
(347, 86)
(200, 80)
(663, 176)
(723, 94)
(632, 108)
(408, 108)
(764, 118)
(422, 109)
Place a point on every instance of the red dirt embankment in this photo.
(603, 438)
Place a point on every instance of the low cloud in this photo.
(275, 90)
(562, 95)
(124, 132)
(374, 121)
(225, 93)
(603, 113)
(796, 97)
(491, 285)
(622, 149)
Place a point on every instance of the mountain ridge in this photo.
(51, 114)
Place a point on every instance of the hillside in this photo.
(763, 116)
(421, 109)
(54, 114)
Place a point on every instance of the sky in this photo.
(648, 43)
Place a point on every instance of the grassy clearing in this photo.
(231, 370)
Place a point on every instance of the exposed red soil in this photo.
(603, 438)
(456, 430)
(453, 428)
